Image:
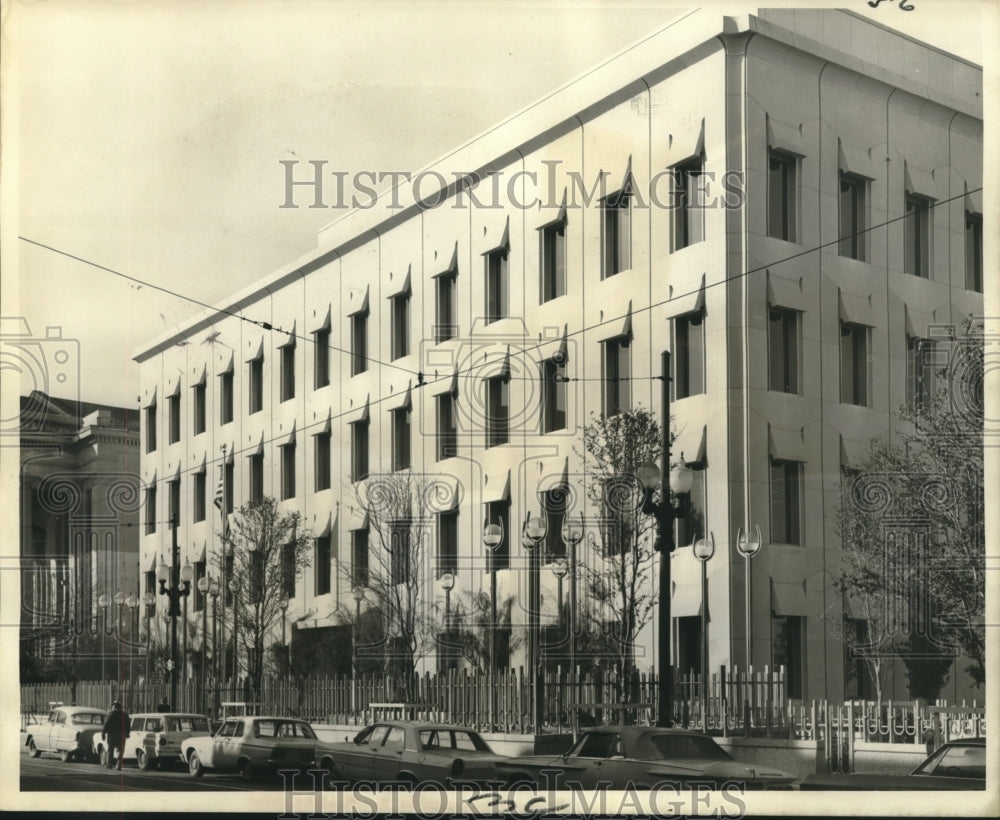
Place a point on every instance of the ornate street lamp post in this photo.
(149, 601)
(177, 590)
(447, 582)
(704, 549)
(204, 584)
(532, 536)
(676, 480)
(132, 602)
(358, 593)
(120, 603)
(748, 546)
(492, 539)
(572, 534)
(103, 601)
(213, 590)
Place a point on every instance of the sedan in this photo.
(960, 764)
(69, 732)
(622, 757)
(251, 746)
(409, 752)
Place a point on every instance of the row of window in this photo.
(853, 221)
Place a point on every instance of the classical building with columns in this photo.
(789, 202)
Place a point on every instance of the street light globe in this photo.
(203, 584)
(358, 593)
(648, 475)
(535, 527)
(704, 548)
(560, 568)
(149, 599)
(187, 573)
(681, 477)
(572, 533)
(131, 601)
(492, 536)
(162, 571)
(447, 582)
(103, 601)
(749, 545)
(283, 603)
(119, 598)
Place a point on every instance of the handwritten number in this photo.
(902, 4)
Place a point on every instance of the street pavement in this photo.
(49, 774)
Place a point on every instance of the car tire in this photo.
(66, 756)
(142, 760)
(245, 771)
(33, 750)
(195, 769)
(407, 782)
(332, 772)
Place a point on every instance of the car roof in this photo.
(638, 731)
(167, 714)
(967, 741)
(73, 710)
(264, 717)
(422, 724)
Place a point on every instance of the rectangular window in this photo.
(690, 527)
(174, 501)
(447, 542)
(322, 563)
(781, 196)
(688, 210)
(497, 285)
(256, 476)
(853, 216)
(174, 411)
(497, 411)
(554, 394)
(288, 569)
(974, 252)
(553, 264)
(226, 397)
(689, 356)
(321, 362)
(151, 428)
(787, 634)
(616, 234)
(151, 509)
(917, 236)
(399, 552)
(447, 427)
(854, 371)
(786, 502)
(919, 372)
(359, 450)
(288, 372)
(445, 316)
(230, 480)
(498, 512)
(198, 403)
(359, 557)
(287, 471)
(401, 437)
(783, 350)
(617, 375)
(400, 331)
(256, 384)
(322, 463)
(200, 488)
(359, 343)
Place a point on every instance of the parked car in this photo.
(69, 732)
(155, 738)
(958, 764)
(410, 752)
(619, 757)
(251, 746)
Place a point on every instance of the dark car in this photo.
(960, 764)
(620, 757)
(409, 752)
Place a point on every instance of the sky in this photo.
(146, 137)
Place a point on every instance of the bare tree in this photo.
(472, 631)
(266, 553)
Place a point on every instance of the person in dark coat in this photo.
(115, 731)
(163, 706)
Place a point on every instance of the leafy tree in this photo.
(911, 520)
(269, 550)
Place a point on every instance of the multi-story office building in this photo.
(788, 201)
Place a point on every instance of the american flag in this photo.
(220, 499)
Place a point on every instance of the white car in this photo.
(68, 732)
(251, 746)
(155, 738)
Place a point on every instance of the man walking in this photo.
(115, 731)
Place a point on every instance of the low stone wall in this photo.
(798, 757)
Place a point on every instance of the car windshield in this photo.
(187, 723)
(452, 739)
(688, 747)
(283, 728)
(88, 719)
(598, 744)
(956, 761)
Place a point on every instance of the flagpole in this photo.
(222, 567)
